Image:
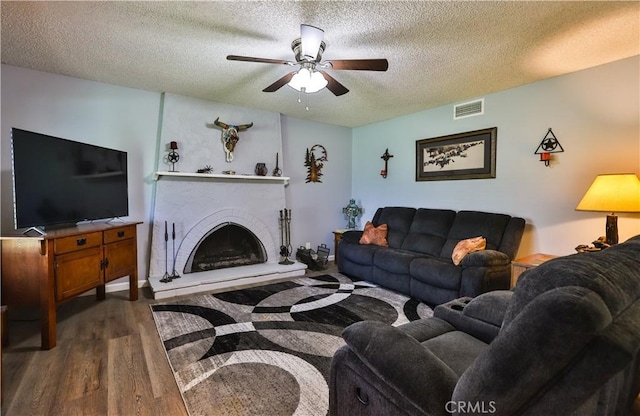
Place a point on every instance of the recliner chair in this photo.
(565, 341)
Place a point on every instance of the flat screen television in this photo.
(59, 182)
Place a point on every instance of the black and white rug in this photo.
(267, 350)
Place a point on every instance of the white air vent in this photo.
(471, 108)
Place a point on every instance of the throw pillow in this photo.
(467, 246)
(375, 235)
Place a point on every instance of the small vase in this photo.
(261, 169)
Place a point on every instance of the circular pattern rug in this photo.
(267, 350)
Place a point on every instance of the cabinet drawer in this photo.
(118, 234)
(77, 242)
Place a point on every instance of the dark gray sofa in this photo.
(565, 341)
(418, 260)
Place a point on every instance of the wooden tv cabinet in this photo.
(46, 270)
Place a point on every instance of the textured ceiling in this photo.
(439, 52)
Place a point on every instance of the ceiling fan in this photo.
(311, 76)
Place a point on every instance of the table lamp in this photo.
(619, 192)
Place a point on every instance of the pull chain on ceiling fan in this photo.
(311, 76)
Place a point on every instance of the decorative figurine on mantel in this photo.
(352, 211)
(229, 136)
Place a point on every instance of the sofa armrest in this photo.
(402, 363)
(480, 317)
(351, 237)
(485, 258)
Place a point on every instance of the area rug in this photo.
(267, 350)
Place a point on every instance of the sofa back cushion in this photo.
(429, 231)
(398, 220)
(469, 224)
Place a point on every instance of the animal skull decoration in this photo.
(230, 136)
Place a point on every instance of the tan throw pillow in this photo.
(467, 246)
(375, 235)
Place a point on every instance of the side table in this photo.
(519, 266)
(337, 236)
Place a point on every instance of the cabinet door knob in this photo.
(120, 234)
(81, 241)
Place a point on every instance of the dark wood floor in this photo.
(108, 361)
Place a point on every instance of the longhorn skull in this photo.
(230, 136)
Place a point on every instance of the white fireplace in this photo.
(195, 204)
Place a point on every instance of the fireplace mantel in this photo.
(221, 177)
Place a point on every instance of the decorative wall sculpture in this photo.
(229, 136)
(313, 161)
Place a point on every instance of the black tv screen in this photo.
(58, 181)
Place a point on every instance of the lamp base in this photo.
(612, 229)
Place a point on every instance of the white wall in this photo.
(86, 111)
(595, 115)
(316, 206)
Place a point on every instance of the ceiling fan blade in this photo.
(334, 86)
(311, 37)
(360, 64)
(258, 60)
(280, 83)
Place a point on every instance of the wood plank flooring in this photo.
(108, 361)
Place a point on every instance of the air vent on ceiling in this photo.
(471, 108)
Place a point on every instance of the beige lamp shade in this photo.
(612, 193)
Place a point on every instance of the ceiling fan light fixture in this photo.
(308, 81)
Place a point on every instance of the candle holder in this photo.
(385, 156)
(548, 145)
(173, 156)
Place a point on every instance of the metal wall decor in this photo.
(229, 136)
(548, 145)
(313, 161)
(385, 156)
(173, 156)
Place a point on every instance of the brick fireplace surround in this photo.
(195, 204)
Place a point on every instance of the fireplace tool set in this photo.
(169, 277)
(285, 236)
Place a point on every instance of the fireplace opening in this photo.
(226, 245)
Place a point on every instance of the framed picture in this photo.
(470, 155)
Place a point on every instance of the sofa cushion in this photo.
(359, 253)
(398, 219)
(462, 356)
(470, 224)
(374, 235)
(436, 272)
(429, 231)
(467, 246)
(395, 260)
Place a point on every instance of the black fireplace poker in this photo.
(166, 278)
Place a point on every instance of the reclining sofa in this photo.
(565, 341)
(417, 261)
